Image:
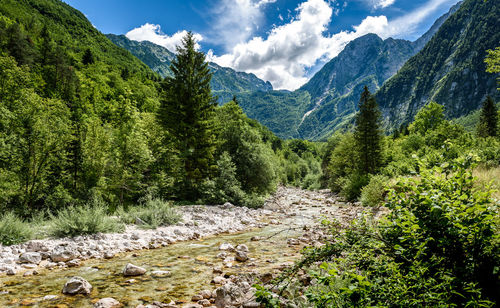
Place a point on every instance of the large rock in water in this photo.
(133, 270)
(107, 302)
(77, 285)
(228, 295)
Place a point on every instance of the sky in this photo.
(281, 41)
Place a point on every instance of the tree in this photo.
(88, 57)
(187, 113)
(428, 118)
(368, 134)
(488, 120)
(493, 62)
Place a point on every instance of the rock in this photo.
(241, 256)
(266, 277)
(30, 257)
(139, 221)
(193, 306)
(226, 246)
(77, 285)
(222, 255)
(196, 298)
(30, 273)
(49, 297)
(36, 246)
(219, 280)
(292, 241)
(133, 270)
(255, 238)
(217, 270)
(63, 254)
(135, 236)
(252, 304)
(206, 294)
(107, 302)
(204, 303)
(73, 263)
(161, 274)
(242, 247)
(108, 255)
(11, 271)
(227, 295)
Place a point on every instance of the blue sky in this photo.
(281, 41)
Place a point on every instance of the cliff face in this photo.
(450, 69)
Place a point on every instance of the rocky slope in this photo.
(450, 69)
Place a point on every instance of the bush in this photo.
(90, 218)
(374, 193)
(351, 186)
(152, 213)
(13, 230)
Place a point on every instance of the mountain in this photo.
(226, 82)
(331, 97)
(450, 69)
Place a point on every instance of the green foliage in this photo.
(187, 114)
(368, 134)
(374, 192)
(488, 120)
(90, 218)
(428, 118)
(13, 230)
(493, 61)
(439, 245)
(151, 213)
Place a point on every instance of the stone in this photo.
(206, 294)
(73, 263)
(108, 255)
(77, 285)
(241, 256)
(242, 247)
(49, 297)
(63, 254)
(133, 270)
(255, 238)
(219, 280)
(222, 255)
(196, 298)
(161, 274)
(36, 246)
(217, 270)
(11, 271)
(30, 257)
(227, 295)
(204, 303)
(107, 302)
(226, 246)
(266, 277)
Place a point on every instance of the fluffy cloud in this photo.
(289, 50)
(377, 4)
(152, 33)
(236, 20)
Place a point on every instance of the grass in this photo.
(488, 176)
(82, 220)
(13, 230)
(153, 213)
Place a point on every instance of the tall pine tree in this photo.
(489, 119)
(188, 114)
(368, 134)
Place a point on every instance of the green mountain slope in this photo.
(226, 82)
(450, 69)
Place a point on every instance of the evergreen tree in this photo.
(488, 120)
(187, 113)
(88, 57)
(368, 134)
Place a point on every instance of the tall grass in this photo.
(81, 220)
(152, 213)
(488, 176)
(13, 230)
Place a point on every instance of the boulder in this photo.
(63, 254)
(36, 246)
(30, 257)
(107, 302)
(228, 295)
(242, 247)
(133, 270)
(241, 256)
(77, 285)
(160, 274)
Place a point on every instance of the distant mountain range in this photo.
(226, 82)
(446, 64)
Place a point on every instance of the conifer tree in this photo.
(88, 57)
(188, 114)
(488, 120)
(368, 134)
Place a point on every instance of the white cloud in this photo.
(152, 33)
(377, 4)
(236, 20)
(289, 50)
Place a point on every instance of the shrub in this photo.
(90, 218)
(351, 185)
(153, 213)
(373, 193)
(13, 230)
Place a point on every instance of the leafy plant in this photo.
(151, 214)
(13, 230)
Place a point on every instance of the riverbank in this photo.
(287, 223)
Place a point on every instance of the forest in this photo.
(91, 140)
